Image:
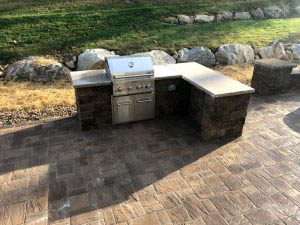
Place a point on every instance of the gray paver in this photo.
(154, 172)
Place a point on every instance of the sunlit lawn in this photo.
(63, 29)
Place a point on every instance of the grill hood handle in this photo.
(130, 76)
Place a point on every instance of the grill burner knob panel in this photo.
(133, 87)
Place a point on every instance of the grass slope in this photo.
(61, 28)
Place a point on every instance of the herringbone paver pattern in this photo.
(155, 172)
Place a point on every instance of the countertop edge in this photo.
(251, 90)
(167, 77)
(100, 84)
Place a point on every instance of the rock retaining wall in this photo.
(47, 71)
(227, 54)
(273, 12)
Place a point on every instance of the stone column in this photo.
(224, 118)
(272, 76)
(219, 118)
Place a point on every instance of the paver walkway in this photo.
(155, 172)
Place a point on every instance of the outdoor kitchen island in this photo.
(217, 103)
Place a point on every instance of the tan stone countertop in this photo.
(165, 72)
(89, 78)
(210, 81)
(207, 80)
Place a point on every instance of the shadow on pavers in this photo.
(54, 171)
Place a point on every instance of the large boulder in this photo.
(266, 52)
(171, 20)
(224, 16)
(36, 69)
(70, 64)
(184, 19)
(275, 50)
(200, 55)
(279, 51)
(242, 16)
(296, 51)
(92, 59)
(273, 12)
(235, 54)
(297, 9)
(204, 18)
(258, 14)
(286, 10)
(159, 57)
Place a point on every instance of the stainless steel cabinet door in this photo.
(144, 106)
(123, 109)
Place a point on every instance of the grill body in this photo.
(133, 96)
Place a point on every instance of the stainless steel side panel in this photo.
(144, 106)
(123, 109)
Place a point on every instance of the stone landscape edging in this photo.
(92, 59)
(270, 12)
(228, 54)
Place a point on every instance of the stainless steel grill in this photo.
(133, 88)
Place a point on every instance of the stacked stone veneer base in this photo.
(171, 102)
(296, 78)
(94, 106)
(272, 76)
(218, 118)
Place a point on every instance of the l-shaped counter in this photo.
(216, 102)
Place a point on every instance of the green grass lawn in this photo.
(64, 28)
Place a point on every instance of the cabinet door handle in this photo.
(144, 100)
(123, 103)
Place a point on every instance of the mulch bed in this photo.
(24, 116)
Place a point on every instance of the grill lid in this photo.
(129, 66)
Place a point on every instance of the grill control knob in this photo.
(148, 86)
(129, 88)
(139, 87)
(120, 89)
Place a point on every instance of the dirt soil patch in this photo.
(23, 116)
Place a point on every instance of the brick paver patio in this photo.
(155, 172)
